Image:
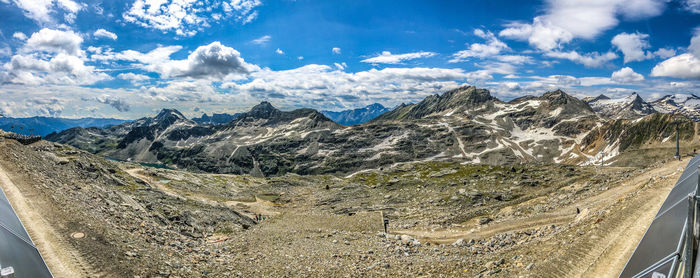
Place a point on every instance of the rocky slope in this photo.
(629, 107)
(686, 104)
(356, 116)
(464, 125)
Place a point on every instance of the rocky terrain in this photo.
(356, 116)
(120, 219)
(630, 107)
(685, 104)
(465, 125)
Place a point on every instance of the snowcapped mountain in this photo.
(629, 107)
(356, 116)
(466, 125)
(686, 104)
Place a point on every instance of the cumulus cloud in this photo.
(279, 51)
(32, 106)
(133, 77)
(41, 10)
(55, 41)
(61, 69)
(632, 46)
(186, 18)
(336, 50)
(593, 59)
(214, 61)
(51, 57)
(387, 58)
(492, 47)
(682, 66)
(117, 103)
(20, 36)
(626, 75)
(665, 52)
(565, 20)
(102, 33)
(686, 65)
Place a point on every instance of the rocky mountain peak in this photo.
(264, 110)
(167, 117)
(463, 98)
(599, 97)
(570, 105)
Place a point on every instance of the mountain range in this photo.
(356, 116)
(215, 118)
(629, 107)
(45, 125)
(467, 125)
(686, 104)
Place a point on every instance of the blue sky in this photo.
(128, 59)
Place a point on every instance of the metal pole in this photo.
(678, 153)
(688, 259)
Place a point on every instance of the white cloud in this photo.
(593, 59)
(682, 66)
(300, 58)
(692, 6)
(20, 36)
(492, 47)
(665, 52)
(214, 61)
(116, 103)
(307, 85)
(515, 59)
(262, 40)
(186, 17)
(632, 46)
(157, 56)
(686, 65)
(55, 41)
(626, 75)
(102, 33)
(565, 20)
(41, 10)
(694, 47)
(61, 69)
(133, 77)
(341, 66)
(336, 50)
(387, 58)
(279, 51)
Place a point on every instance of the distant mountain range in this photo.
(686, 104)
(464, 125)
(45, 125)
(629, 107)
(216, 119)
(356, 116)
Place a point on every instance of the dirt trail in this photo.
(60, 257)
(260, 206)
